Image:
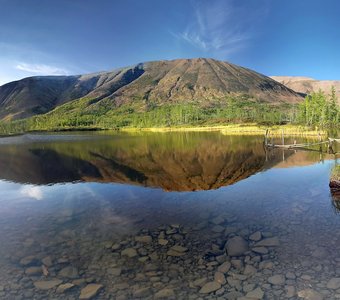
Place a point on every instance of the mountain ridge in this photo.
(308, 85)
(199, 80)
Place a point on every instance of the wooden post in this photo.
(266, 138)
(283, 138)
(330, 146)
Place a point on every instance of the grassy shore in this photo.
(240, 129)
(230, 129)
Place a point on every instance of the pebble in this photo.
(256, 236)
(69, 272)
(219, 277)
(47, 284)
(28, 260)
(114, 271)
(142, 292)
(145, 239)
(64, 287)
(177, 251)
(255, 294)
(33, 271)
(210, 287)
(310, 294)
(90, 291)
(225, 267)
(260, 250)
(276, 279)
(249, 270)
(333, 283)
(165, 293)
(290, 291)
(290, 275)
(200, 282)
(129, 252)
(268, 242)
(47, 261)
(163, 242)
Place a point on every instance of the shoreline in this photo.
(231, 129)
(238, 129)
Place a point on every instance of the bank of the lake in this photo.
(240, 129)
(229, 129)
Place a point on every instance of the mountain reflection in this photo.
(173, 162)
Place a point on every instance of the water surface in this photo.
(72, 206)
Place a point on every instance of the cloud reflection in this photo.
(34, 192)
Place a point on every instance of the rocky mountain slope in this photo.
(308, 85)
(184, 80)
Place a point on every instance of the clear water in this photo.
(76, 201)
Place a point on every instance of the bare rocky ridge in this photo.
(198, 80)
(308, 85)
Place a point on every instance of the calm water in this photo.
(96, 215)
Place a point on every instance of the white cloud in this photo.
(221, 26)
(34, 192)
(41, 69)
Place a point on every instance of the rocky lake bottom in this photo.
(273, 235)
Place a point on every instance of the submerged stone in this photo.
(145, 239)
(210, 287)
(64, 287)
(268, 242)
(260, 250)
(255, 294)
(225, 267)
(69, 272)
(90, 291)
(236, 246)
(277, 279)
(47, 284)
(333, 283)
(256, 236)
(33, 271)
(129, 252)
(165, 294)
(310, 294)
(219, 277)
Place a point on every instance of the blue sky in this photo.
(291, 37)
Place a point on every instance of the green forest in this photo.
(318, 109)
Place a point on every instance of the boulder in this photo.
(236, 246)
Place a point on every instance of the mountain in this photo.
(201, 81)
(308, 85)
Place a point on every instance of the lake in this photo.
(165, 216)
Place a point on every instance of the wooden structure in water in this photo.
(304, 146)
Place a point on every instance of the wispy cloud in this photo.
(221, 26)
(41, 69)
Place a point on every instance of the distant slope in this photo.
(308, 85)
(200, 80)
